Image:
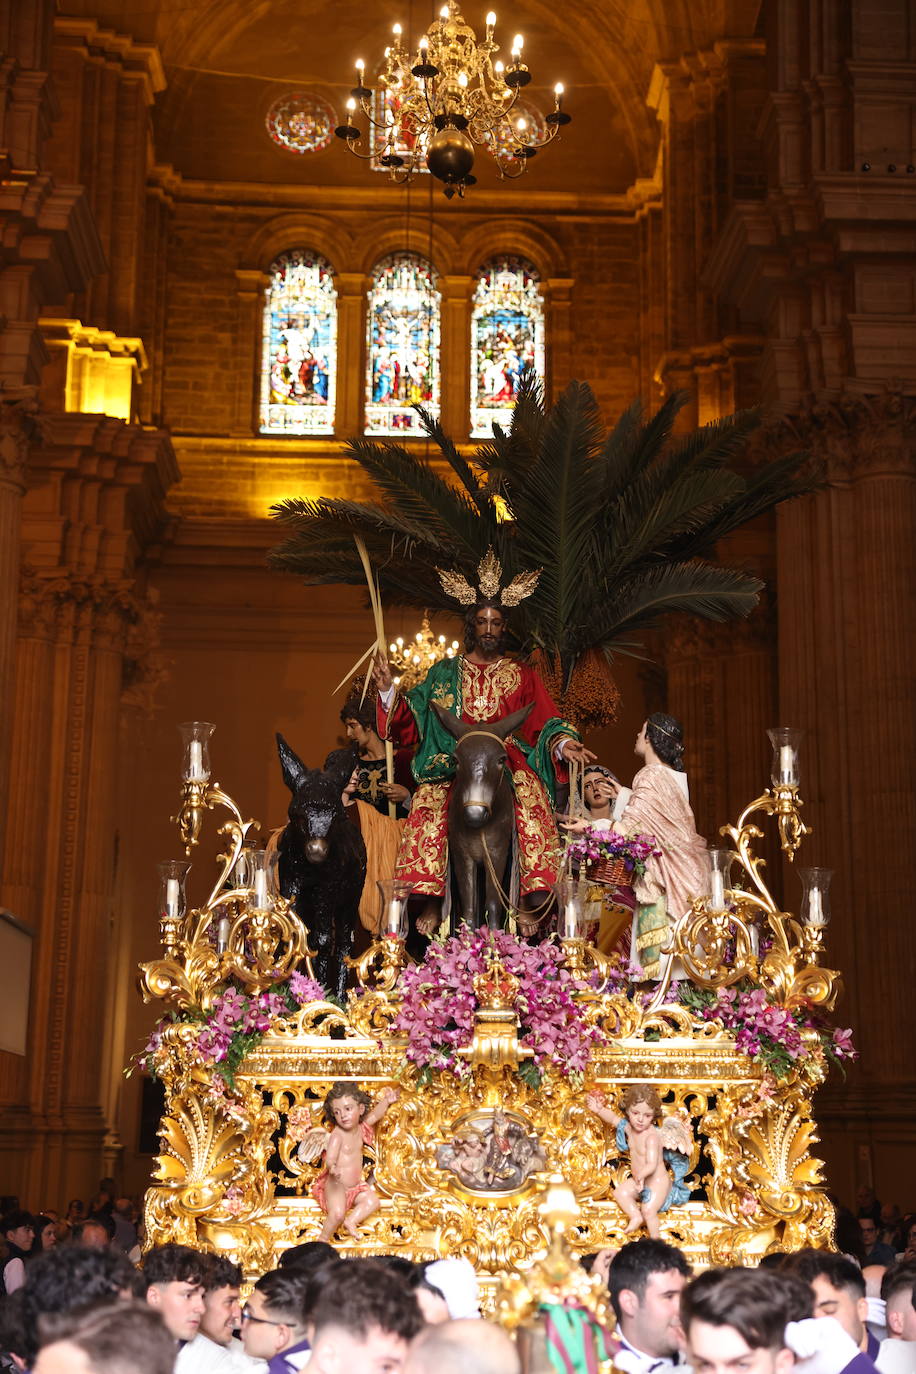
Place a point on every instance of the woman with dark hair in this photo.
(45, 1234)
(658, 805)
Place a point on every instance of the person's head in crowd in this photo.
(76, 1210)
(736, 1319)
(364, 1318)
(598, 1263)
(222, 1314)
(646, 1279)
(463, 1347)
(71, 1278)
(122, 1338)
(124, 1208)
(174, 1288)
(45, 1234)
(456, 1281)
(848, 1235)
(909, 1241)
(95, 1233)
(867, 1203)
(12, 1328)
(838, 1288)
(869, 1229)
(898, 1289)
(18, 1231)
(273, 1318)
(310, 1255)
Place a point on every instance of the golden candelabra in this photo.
(230, 1176)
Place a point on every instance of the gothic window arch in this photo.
(403, 344)
(299, 350)
(507, 331)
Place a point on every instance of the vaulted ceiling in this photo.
(227, 61)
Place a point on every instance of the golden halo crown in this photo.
(489, 574)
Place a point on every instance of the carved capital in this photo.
(854, 436)
(145, 667)
(62, 605)
(19, 426)
(690, 638)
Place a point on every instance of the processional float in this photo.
(733, 1038)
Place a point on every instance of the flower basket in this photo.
(610, 871)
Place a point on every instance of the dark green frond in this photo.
(693, 588)
(423, 498)
(556, 508)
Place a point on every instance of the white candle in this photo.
(717, 890)
(222, 935)
(393, 917)
(196, 761)
(755, 940)
(172, 897)
(787, 764)
(260, 889)
(572, 919)
(816, 908)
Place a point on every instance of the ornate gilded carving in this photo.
(231, 1175)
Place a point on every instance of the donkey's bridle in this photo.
(486, 734)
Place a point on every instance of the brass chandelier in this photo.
(435, 105)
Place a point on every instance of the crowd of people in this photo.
(78, 1304)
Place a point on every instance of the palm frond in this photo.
(459, 465)
(555, 510)
(632, 446)
(422, 497)
(692, 588)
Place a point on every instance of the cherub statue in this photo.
(340, 1189)
(465, 1156)
(653, 1149)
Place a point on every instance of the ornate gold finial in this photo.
(489, 574)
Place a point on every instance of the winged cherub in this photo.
(341, 1191)
(654, 1143)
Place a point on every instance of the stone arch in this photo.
(298, 230)
(515, 237)
(394, 236)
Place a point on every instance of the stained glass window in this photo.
(523, 119)
(507, 331)
(403, 338)
(299, 354)
(301, 123)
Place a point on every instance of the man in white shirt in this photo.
(898, 1289)
(174, 1288)
(215, 1347)
(646, 1279)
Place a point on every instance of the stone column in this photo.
(17, 427)
(351, 352)
(559, 334)
(722, 687)
(455, 347)
(250, 305)
(847, 676)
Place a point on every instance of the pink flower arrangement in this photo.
(593, 846)
(769, 1033)
(439, 1002)
(236, 1022)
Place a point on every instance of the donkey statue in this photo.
(322, 860)
(481, 815)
